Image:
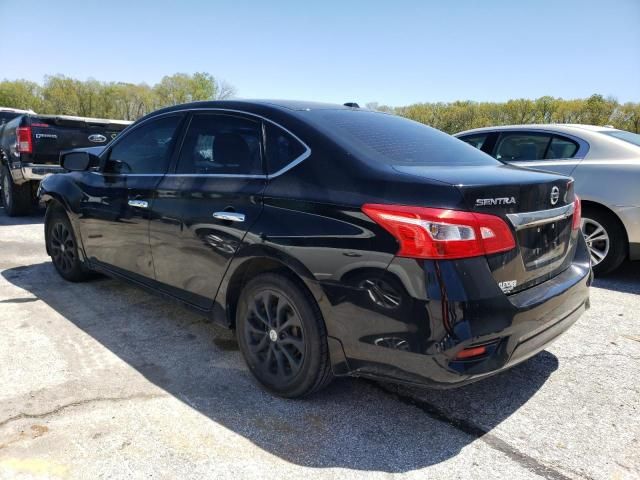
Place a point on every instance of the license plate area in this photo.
(543, 244)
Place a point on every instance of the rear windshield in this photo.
(6, 116)
(623, 135)
(396, 140)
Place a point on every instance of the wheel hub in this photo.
(273, 335)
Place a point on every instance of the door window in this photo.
(561, 147)
(147, 149)
(475, 140)
(522, 146)
(281, 149)
(221, 144)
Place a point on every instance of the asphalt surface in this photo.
(102, 380)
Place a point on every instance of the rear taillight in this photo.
(24, 139)
(577, 213)
(436, 233)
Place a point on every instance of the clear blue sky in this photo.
(394, 51)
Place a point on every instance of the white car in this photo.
(605, 164)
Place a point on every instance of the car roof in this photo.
(250, 104)
(555, 127)
(15, 110)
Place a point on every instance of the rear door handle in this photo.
(138, 203)
(229, 216)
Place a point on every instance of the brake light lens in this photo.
(24, 139)
(577, 213)
(471, 352)
(434, 233)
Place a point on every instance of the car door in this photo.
(539, 150)
(117, 198)
(207, 204)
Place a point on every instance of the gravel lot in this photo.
(102, 380)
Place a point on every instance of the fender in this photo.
(62, 189)
(256, 250)
(259, 251)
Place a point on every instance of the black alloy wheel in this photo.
(63, 248)
(274, 334)
(282, 336)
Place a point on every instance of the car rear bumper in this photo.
(25, 172)
(463, 308)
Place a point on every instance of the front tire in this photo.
(606, 240)
(16, 199)
(63, 248)
(282, 336)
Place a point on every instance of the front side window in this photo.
(281, 148)
(146, 149)
(522, 146)
(221, 144)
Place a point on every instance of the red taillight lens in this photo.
(436, 233)
(24, 139)
(577, 213)
(471, 352)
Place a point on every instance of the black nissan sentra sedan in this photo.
(334, 240)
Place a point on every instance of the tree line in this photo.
(63, 95)
(126, 101)
(454, 117)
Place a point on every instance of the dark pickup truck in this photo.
(30, 146)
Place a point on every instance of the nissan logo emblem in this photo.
(97, 138)
(555, 195)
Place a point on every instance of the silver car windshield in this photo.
(633, 138)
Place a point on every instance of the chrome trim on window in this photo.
(306, 154)
(540, 217)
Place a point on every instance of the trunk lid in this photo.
(52, 134)
(537, 206)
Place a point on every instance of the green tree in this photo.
(20, 94)
(598, 110)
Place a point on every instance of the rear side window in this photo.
(522, 146)
(475, 140)
(395, 140)
(561, 147)
(221, 144)
(281, 149)
(146, 149)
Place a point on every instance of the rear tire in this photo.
(63, 248)
(16, 199)
(282, 336)
(606, 240)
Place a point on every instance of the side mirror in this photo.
(78, 161)
(117, 166)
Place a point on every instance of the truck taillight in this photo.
(577, 213)
(436, 233)
(24, 139)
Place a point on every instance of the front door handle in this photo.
(138, 203)
(229, 216)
